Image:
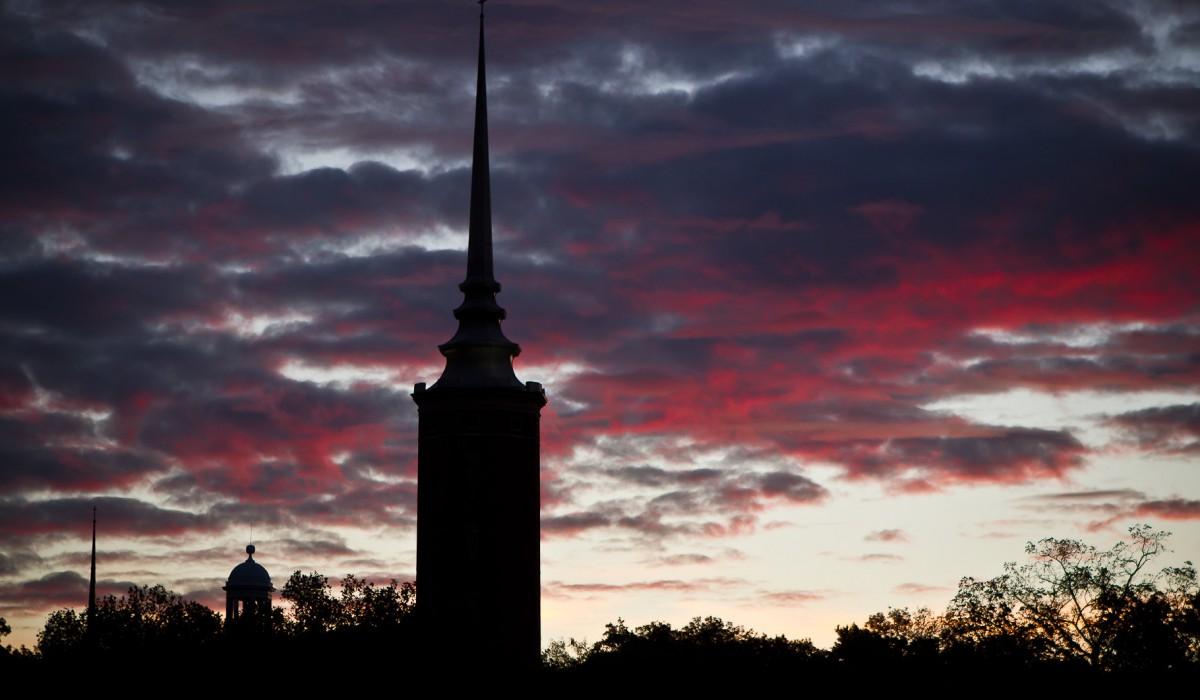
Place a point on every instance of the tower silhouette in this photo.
(478, 488)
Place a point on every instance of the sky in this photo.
(834, 303)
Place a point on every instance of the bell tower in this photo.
(478, 481)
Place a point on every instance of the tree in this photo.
(363, 608)
(314, 609)
(889, 638)
(14, 662)
(564, 655)
(62, 634)
(1074, 603)
(703, 646)
(375, 609)
(149, 620)
(983, 625)
(157, 619)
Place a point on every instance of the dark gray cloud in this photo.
(654, 476)
(1165, 428)
(21, 518)
(59, 589)
(682, 502)
(1095, 495)
(1011, 454)
(14, 560)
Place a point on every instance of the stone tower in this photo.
(478, 487)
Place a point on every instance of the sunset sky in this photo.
(834, 303)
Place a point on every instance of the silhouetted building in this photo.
(478, 498)
(248, 589)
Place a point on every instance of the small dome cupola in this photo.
(248, 589)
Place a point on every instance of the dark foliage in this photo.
(365, 624)
(149, 622)
(1071, 611)
(701, 646)
(164, 634)
(14, 660)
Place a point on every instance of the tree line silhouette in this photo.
(1069, 609)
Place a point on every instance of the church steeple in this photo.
(479, 355)
(479, 464)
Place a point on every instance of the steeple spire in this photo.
(92, 579)
(479, 247)
(479, 355)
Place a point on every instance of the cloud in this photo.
(20, 518)
(1117, 505)
(16, 560)
(1172, 429)
(684, 559)
(574, 523)
(918, 589)
(652, 476)
(63, 452)
(1006, 455)
(889, 535)
(697, 558)
(1085, 496)
(791, 487)
(790, 598)
(879, 557)
(54, 590)
(1171, 509)
(709, 502)
(700, 586)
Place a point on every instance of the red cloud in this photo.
(1171, 509)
